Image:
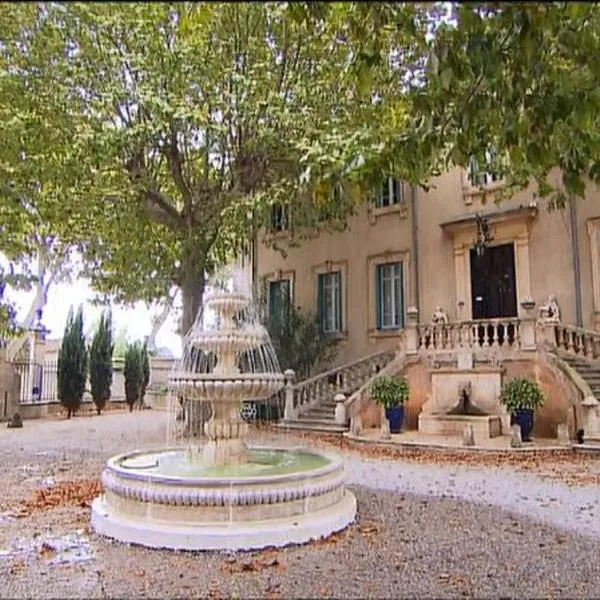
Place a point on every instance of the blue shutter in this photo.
(321, 301)
(378, 307)
(399, 273)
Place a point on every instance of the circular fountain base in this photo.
(279, 497)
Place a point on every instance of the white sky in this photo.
(61, 297)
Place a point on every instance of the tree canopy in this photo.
(156, 136)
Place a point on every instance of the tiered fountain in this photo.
(222, 494)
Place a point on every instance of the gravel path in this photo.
(423, 530)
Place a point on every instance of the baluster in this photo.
(588, 346)
(517, 334)
(486, 335)
(571, 341)
(495, 334)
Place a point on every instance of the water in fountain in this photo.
(181, 496)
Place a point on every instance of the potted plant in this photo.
(391, 393)
(521, 396)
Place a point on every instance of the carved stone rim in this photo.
(335, 464)
(220, 496)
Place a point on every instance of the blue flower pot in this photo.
(523, 417)
(395, 416)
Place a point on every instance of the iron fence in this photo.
(39, 382)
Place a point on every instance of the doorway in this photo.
(493, 283)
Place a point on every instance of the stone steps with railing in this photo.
(310, 404)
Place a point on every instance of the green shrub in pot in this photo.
(391, 393)
(521, 397)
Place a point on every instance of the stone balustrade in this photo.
(492, 333)
(343, 379)
(577, 341)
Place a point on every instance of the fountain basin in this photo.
(279, 497)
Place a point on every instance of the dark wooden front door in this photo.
(493, 285)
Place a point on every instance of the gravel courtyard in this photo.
(428, 526)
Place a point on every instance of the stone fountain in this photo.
(217, 493)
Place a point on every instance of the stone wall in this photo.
(561, 396)
(10, 390)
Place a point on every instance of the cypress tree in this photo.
(101, 369)
(72, 364)
(145, 358)
(134, 374)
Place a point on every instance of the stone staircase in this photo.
(589, 372)
(310, 404)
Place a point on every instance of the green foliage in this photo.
(133, 372)
(187, 121)
(521, 393)
(298, 340)
(145, 358)
(101, 368)
(390, 391)
(72, 363)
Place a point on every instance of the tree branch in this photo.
(175, 163)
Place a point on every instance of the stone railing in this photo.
(493, 333)
(577, 341)
(341, 380)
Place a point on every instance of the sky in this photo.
(61, 297)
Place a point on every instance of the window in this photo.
(388, 291)
(481, 178)
(279, 297)
(330, 302)
(279, 217)
(388, 193)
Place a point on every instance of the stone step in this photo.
(322, 413)
(315, 420)
(302, 426)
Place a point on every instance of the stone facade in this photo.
(431, 234)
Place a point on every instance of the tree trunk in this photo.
(159, 321)
(192, 291)
(68, 413)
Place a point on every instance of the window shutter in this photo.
(338, 325)
(397, 192)
(272, 297)
(378, 307)
(321, 301)
(399, 273)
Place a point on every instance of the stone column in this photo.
(412, 333)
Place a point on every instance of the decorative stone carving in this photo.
(516, 441)
(550, 311)
(468, 435)
(439, 316)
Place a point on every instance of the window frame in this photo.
(395, 194)
(325, 283)
(396, 280)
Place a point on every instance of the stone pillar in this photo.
(545, 335)
(340, 409)
(528, 331)
(412, 333)
(290, 412)
(591, 418)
